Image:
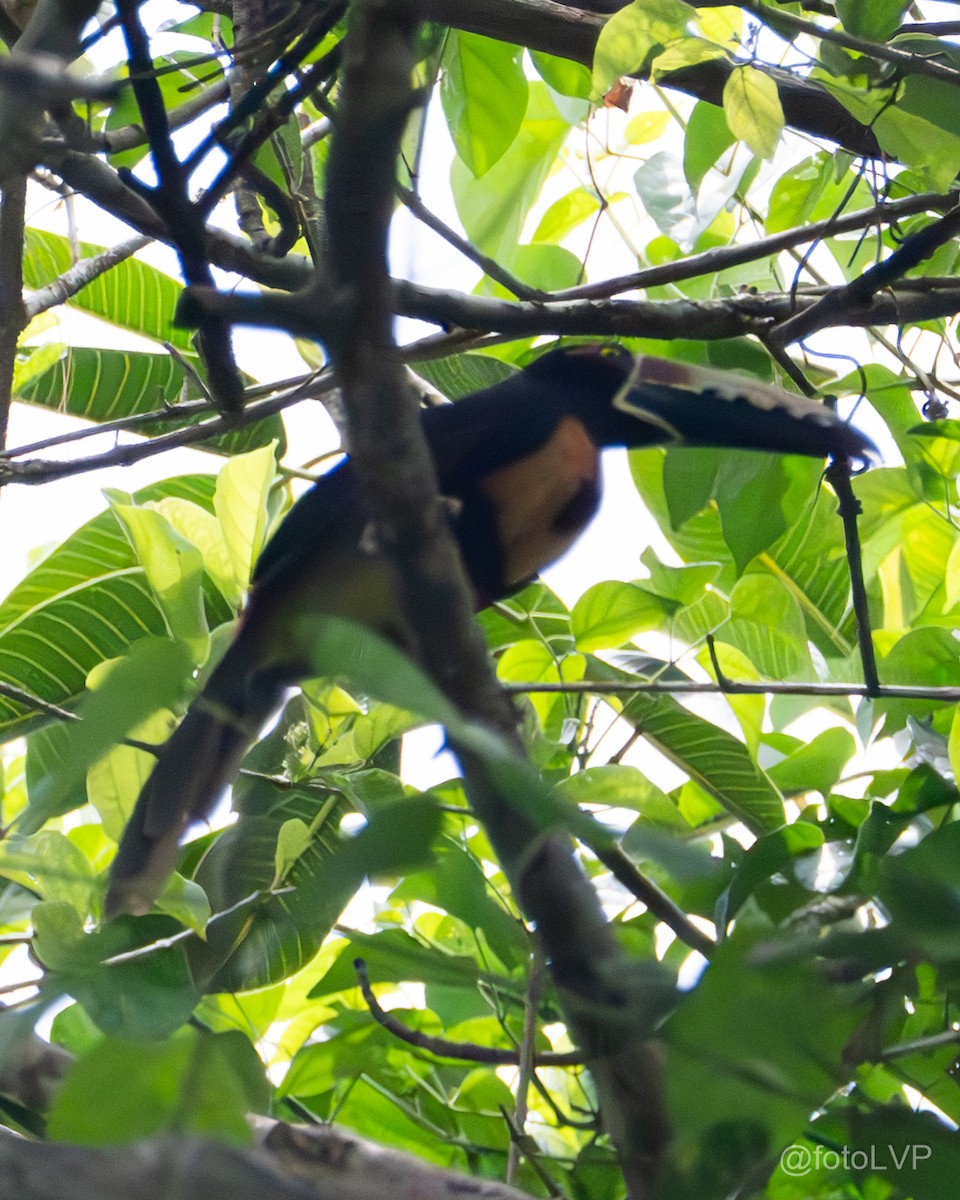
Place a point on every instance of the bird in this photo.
(518, 465)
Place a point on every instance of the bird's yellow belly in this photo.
(544, 501)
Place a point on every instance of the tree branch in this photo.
(171, 202)
(442, 1047)
(396, 471)
(571, 33)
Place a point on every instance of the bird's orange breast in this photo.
(544, 501)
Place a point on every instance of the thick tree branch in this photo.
(745, 314)
(13, 317)
(171, 201)
(394, 466)
(571, 33)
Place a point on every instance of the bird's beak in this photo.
(708, 407)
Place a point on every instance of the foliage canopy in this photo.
(728, 186)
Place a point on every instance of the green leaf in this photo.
(483, 91)
(710, 756)
(61, 870)
(114, 781)
(146, 995)
(931, 151)
(85, 603)
(565, 214)
(750, 525)
(766, 857)
(797, 192)
(815, 766)
(699, 538)
(633, 36)
(707, 136)
(617, 786)
(102, 384)
(174, 569)
(240, 501)
(494, 207)
(913, 1150)
(186, 902)
(530, 661)
(132, 295)
(394, 954)
(274, 938)
(921, 890)
(202, 529)
(925, 657)
(565, 76)
(875, 20)
(293, 839)
(610, 614)
(150, 677)
(646, 127)
(548, 267)
(767, 624)
(751, 104)
(682, 53)
(464, 373)
(455, 882)
(772, 1039)
(122, 1090)
(689, 476)
(953, 745)
(684, 585)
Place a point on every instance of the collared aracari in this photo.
(519, 464)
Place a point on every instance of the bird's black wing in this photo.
(329, 514)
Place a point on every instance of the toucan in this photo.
(518, 465)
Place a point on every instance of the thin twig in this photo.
(442, 1047)
(838, 473)
(486, 264)
(85, 271)
(910, 62)
(730, 687)
(656, 900)
(709, 262)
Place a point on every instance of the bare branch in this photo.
(84, 272)
(442, 1047)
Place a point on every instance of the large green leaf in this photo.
(151, 676)
(699, 539)
(766, 624)
(464, 373)
(123, 1090)
(103, 385)
(282, 931)
(484, 95)
(132, 294)
(713, 758)
(86, 602)
(751, 104)
(771, 1042)
(633, 36)
(872, 19)
(494, 207)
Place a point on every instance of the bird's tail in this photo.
(195, 766)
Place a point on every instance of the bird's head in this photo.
(633, 401)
